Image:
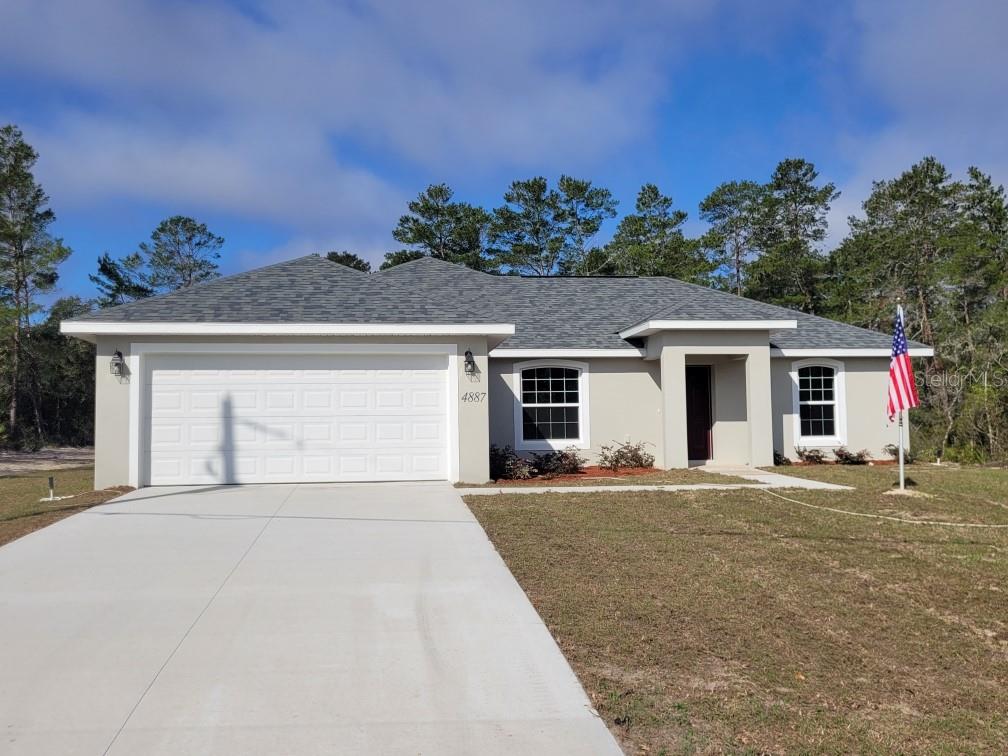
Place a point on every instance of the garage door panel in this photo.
(202, 434)
(352, 433)
(353, 465)
(272, 418)
(166, 436)
(353, 399)
(169, 400)
(426, 432)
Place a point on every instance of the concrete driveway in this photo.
(279, 619)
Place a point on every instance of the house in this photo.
(309, 371)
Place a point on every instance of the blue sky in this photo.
(292, 128)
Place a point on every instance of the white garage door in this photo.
(291, 418)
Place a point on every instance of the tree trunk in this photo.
(12, 406)
(15, 368)
(738, 269)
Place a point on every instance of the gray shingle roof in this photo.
(557, 313)
(308, 289)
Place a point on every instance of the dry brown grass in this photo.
(21, 512)
(737, 622)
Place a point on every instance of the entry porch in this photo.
(715, 399)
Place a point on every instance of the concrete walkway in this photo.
(279, 619)
(760, 478)
(773, 479)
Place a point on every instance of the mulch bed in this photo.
(587, 473)
(834, 463)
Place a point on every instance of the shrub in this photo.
(505, 464)
(845, 457)
(965, 455)
(780, 460)
(810, 456)
(625, 455)
(893, 451)
(568, 461)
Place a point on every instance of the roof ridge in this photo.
(339, 265)
(427, 259)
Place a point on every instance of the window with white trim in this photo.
(817, 403)
(820, 412)
(550, 404)
(550, 409)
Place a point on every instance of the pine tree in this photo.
(29, 257)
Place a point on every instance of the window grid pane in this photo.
(816, 399)
(550, 423)
(546, 395)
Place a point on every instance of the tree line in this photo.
(47, 379)
(764, 240)
(936, 242)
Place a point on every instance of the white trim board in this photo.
(100, 328)
(564, 353)
(138, 414)
(847, 352)
(649, 327)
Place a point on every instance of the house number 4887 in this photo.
(474, 396)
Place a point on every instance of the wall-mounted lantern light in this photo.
(117, 365)
(470, 363)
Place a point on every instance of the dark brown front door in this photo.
(698, 411)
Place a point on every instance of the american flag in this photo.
(902, 387)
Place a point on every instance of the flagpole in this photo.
(902, 478)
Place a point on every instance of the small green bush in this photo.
(625, 455)
(845, 457)
(567, 461)
(893, 451)
(505, 464)
(810, 456)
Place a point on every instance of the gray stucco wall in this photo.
(865, 387)
(112, 405)
(624, 398)
(111, 417)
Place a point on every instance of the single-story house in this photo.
(310, 371)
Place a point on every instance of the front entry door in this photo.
(698, 412)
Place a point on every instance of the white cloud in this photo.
(937, 70)
(433, 81)
(269, 112)
(239, 168)
(324, 118)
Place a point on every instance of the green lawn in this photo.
(734, 621)
(21, 512)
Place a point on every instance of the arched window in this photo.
(551, 411)
(817, 400)
(819, 403)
